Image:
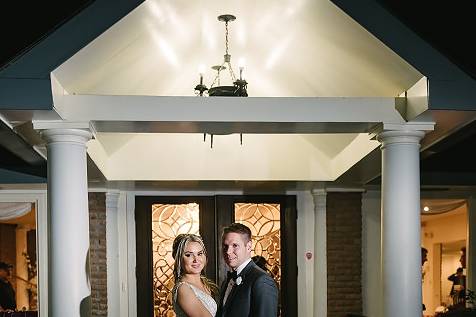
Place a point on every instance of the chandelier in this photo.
(216, 90)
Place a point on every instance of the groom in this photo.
(248, 290)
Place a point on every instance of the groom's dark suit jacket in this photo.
(256, 296)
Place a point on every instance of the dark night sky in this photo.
(23, 23)
(449, 27)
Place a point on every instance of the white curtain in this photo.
(13, 210)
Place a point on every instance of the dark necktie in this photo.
(231, 275)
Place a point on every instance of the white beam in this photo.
(225, 109)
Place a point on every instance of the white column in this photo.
(22, 268)
(112, 252)
(320, 253)
(69, 221)
(401, 253)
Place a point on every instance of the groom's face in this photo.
(236, 249)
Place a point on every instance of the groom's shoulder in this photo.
(261, 279)
(255, 272)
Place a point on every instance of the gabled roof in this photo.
(86, 47)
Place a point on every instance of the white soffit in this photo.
(294, 48)
(261, 157)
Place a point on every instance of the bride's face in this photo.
(193, 258)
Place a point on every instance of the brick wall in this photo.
(97, 254)
(344, 254)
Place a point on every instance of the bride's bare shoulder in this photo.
(189, 302)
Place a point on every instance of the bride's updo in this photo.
(178, 250)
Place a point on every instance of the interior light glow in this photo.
(156, 11)
(426, 209)
(201, 71)
(276, 53)
(175, 21)
(208, 32)
(241, 34)
(166, 49)
(241, 66)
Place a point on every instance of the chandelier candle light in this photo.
(239, 85)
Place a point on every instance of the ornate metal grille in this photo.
(167, 222)
(264, 222)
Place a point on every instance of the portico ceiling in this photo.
(293, 48)
(134, 84)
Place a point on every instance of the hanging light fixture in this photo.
(216, 90)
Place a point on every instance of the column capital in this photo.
(112, 199)
(60, 124)
(400, 137)
(318, 192)
(74, 136)
(409, 132)
(320, 199)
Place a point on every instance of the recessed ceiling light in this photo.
(426, 208)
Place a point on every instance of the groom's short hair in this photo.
(238, 228)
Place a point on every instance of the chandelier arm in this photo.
(232, 73)
(217, 77)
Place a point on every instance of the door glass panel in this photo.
(168, 220)
(264, 222)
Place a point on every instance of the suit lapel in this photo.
(235, 288)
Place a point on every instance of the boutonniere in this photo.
(239, 280)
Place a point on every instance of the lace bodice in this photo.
(206, 300)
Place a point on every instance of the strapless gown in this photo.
(206, 300)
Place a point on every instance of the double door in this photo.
(272, 220)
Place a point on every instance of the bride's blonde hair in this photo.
(178, 250)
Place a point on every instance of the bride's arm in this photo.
(189, 303)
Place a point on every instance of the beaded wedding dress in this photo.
(206, 300)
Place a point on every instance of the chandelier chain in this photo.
(228, 59)
(226, 37)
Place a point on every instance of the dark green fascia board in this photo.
(25, 94)
(14, 177)
(452, 95)
(450, 87)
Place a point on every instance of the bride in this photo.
(193, 292)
